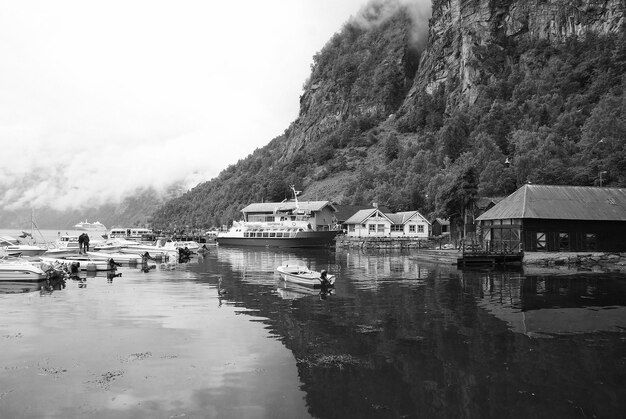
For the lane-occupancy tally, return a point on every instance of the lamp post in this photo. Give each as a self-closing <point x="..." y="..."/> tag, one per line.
<point x="602" y="173"/>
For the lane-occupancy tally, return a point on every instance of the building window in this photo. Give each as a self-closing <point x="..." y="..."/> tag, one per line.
<point x="396" y="228"/>
<point x="590" y="241"/>
<point x="351" y="227"/>
<point x="420" y="228"/>
<point x="372" y="228"/>
<point x="564" y="241"/>
<point x="381" y="228"/>
<point x="540" y="241"/>
<point x="411" y="228"/>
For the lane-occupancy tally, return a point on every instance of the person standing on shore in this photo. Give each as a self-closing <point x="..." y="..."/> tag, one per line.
<point x="86" y="243"/>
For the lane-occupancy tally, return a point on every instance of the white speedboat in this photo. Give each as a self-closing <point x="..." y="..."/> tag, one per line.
<point x="16" y="270"/>
<point x="65" y="245"/>
<point x="87" y="226"/>
<point x="16" y="248"/>
<point x="161" y="246"/>
<point x="297" y="272"/>
<point x="112" y="245"/>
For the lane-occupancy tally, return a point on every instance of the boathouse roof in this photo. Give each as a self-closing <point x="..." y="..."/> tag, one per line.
<point x="561" y="203"/>
<point x="272" y="207"/>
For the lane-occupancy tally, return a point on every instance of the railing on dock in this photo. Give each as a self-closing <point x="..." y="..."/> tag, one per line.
<point x="483" y="254"/>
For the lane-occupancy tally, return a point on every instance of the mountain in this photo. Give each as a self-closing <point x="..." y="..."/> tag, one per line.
<point x="133" y="210"/>
<point x="416" y="114"/>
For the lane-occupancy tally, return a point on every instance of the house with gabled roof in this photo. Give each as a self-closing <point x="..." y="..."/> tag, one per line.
<point x="375" y="223"/>
<point x="557" y="218"/>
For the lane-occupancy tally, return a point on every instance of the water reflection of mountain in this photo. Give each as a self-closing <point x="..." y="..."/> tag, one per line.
<point x="438" y="350"/>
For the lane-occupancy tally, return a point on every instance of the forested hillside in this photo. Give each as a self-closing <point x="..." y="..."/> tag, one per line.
<point x="390" y="118"/>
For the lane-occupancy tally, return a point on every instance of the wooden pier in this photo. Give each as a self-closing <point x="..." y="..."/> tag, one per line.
<point x="474" y="256"/>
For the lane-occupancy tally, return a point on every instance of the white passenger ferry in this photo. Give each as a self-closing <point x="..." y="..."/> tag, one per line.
<point x="132" y="233"/>
<point x="284" y="224"/>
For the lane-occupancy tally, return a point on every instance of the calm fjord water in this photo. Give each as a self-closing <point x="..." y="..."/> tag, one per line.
<point x="398" y="338"/>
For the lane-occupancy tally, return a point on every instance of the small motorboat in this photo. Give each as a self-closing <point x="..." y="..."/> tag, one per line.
<point x="16" y="270"/>
<point x="15" y="248"/>
<point x="297" y="272"/>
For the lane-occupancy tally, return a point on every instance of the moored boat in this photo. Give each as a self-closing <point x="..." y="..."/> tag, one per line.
<point x="297" y="272"/>
<point x="283" y="224"/>
<point x="65" y="245"/>
<point x="15" y="247"/>
<point x="17" y="270"/>
<point x="138" y="234"/>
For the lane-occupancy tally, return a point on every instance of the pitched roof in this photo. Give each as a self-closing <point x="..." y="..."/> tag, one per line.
<point x="400" y="218"/>
<point x="363" y="215"/>
<point x="442" y="222"/>
<point x="344" y="212"/>
<point x="561" y="203"/>
<point x="287" y="206"/>
<point x="484" y="202"/>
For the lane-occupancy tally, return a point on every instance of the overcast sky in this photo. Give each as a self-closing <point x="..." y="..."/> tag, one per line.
<point x="99" y="97"/>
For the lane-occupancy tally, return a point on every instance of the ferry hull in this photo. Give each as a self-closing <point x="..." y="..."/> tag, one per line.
<point x="311" y="239"/>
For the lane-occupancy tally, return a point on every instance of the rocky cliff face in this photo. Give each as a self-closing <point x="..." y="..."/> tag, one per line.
<point x="463" y="32"/>
<point x="362" y="75"/>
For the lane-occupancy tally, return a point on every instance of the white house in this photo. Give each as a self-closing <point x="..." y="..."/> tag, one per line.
<point x="374" y="223"/>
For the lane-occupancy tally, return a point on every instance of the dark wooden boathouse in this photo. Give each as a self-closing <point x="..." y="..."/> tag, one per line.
<point x="557" y="218"/>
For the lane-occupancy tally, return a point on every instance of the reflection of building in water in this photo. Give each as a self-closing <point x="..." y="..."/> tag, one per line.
<point x="545" y="305"/>
<point x="387" y="265"/>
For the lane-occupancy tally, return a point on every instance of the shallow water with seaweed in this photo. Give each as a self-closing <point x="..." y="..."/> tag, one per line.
<point x="224" y="337"/>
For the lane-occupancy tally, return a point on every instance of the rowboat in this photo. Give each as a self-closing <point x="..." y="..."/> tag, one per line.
<point x="297" y="272"/>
